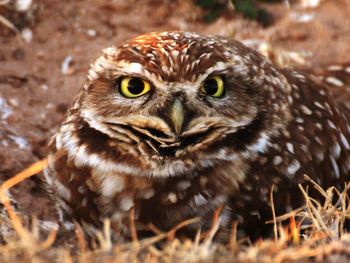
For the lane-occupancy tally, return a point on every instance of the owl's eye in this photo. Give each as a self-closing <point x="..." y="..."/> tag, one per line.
<point x="214" y="86"/>
<point x="133" y="87"/>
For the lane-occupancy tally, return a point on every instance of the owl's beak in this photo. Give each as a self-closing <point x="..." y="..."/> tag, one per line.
<point x="177" y="115"/>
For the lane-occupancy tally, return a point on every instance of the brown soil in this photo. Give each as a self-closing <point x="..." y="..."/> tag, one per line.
<point x="34" y="93"/>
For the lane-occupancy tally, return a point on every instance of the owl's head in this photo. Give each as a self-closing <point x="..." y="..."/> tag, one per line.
<point x="165" y="103"/>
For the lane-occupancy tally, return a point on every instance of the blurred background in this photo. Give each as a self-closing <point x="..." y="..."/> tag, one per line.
<point x="46" y="47"/>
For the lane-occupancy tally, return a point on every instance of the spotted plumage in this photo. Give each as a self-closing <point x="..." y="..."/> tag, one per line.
<point x="175" y="125"/>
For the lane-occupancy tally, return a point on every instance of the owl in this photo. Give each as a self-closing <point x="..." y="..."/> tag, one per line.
<point x="174" y="125"/>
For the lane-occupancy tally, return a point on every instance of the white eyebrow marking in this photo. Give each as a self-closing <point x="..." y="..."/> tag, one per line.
<point x="131" y="68"/>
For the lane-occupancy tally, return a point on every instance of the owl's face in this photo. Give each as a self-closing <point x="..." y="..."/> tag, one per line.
<point x="171" y="102"/>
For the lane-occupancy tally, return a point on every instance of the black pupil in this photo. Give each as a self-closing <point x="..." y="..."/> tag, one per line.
<point x="211" y="86"/>
<point x="135" y="86"/>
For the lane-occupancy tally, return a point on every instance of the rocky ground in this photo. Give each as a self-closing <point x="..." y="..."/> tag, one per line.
<point x="46" y="47"/>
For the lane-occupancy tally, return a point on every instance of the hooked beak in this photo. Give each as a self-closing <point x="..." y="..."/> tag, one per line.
<point x="177" y="115"/>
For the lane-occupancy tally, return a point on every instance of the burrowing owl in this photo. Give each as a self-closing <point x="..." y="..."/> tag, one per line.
<point x="174" y="125"/>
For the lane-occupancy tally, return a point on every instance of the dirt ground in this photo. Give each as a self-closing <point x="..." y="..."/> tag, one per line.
<point x="36" y="87"/>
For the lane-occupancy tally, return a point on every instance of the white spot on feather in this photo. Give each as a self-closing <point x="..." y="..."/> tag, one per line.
<point x="62" y="190"/>
<point x="334" y="81"/>
<point x="335" y="167"/>
<point x="126" y="203"/>
<point x="64" y="205"/>
<point x="200" y="200"/>
<point x="336" y="150"/>
<point x="299" y="120"/>
<point x="319" y="156"/>
<point x="175" y="53"/>
<point x="319" y="105"/>
<point x="84" y="202"/>
<point x="147" y="194"/>
<point x="172" y="197"/>
<point x="111" y="185"/>
<point x="183" y="185"/>
<point x="260" y="145"/>
<point x="305" y="110"/>
<point x="344" y="141"/>
<point x="293" y="167"/>
<point x="290" y="147"/>
<point x="331" y="124"/>
<point x="277" y="160"/>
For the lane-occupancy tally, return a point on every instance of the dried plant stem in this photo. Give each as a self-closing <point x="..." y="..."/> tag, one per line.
<point x="132" y="227"/>
<point x="17" y="224"/>
<point x="275" y="230"/>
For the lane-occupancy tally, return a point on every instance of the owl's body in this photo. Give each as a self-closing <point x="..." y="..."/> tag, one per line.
<point x="175" y="125"/>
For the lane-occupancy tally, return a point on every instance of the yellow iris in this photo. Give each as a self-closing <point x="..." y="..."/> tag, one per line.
<point x="131" y="87"/>
<point x="214" y="87"/>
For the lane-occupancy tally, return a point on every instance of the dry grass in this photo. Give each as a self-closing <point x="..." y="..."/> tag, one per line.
<point x="316" y="232"/>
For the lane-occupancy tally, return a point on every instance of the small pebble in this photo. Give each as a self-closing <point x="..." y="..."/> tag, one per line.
<point x="27" y="35"/>
<point x="66" y="68"/>
<point x="23" y="5"/>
